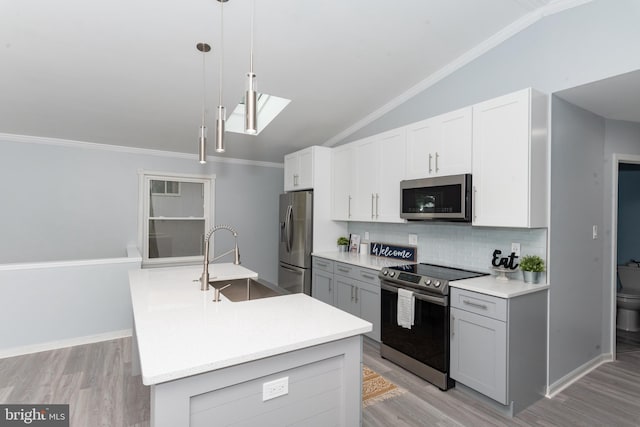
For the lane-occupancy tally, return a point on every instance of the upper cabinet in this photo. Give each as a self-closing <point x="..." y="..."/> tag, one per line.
<point x="510" y="161"/>
<point x="366" y="178"/>
<point x="299" y="170"/>
<point x="440" y="145"/>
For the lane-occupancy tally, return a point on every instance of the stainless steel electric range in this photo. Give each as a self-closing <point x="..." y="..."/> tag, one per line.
<point x="424" y="347"/>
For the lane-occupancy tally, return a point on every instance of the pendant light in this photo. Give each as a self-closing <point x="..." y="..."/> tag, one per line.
<point x="202" y="135"/>
<point x="250" y="99"/>
<point x="221" y="115"/>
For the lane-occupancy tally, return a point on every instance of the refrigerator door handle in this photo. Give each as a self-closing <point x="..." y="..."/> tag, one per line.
<point x="288" y="221"/>
<point x="291" y="270"/>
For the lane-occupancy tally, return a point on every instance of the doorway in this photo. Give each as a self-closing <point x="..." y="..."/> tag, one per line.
<point x="625" y="243"/>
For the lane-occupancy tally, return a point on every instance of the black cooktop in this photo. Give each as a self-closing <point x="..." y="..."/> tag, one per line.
<point x="438" y="271"/>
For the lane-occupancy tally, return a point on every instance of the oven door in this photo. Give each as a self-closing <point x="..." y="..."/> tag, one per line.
<point x="428" y="339"/>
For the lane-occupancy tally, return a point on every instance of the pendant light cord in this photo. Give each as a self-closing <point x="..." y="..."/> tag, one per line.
<point x="221" y="51"/>
<point x="253" y="7"/>
<point x="204" y="86"/>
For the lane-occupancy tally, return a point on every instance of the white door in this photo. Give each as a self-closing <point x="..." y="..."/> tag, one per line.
<point x="366" y="179"/>
<point x="391" y="171"/>
<point x="341" y="173"/>
<point x="421" y="137"/>
<point x="453" y="152"/>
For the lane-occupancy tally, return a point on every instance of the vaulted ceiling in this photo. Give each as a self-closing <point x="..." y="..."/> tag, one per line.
<point x="128" y="72"/>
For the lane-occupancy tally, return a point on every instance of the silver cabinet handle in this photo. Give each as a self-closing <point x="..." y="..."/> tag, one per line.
<point x="377" y="211"/>
<point x="352" y="289"/>
<point x="453" y="326"/>
<point x="356" y="292"/>
<point x="476" y="305"/>
<point x="330" y="287"/>
<point x="368" y="276"/>
<point x="349" y="216"/>
<point x="372" y="199"/>
<point x="430" y="170"/>
<point x="437" y="156"/>
<point x="344" y="270"/>
<point x="322" y="264"/>
<point x="473" y="202"/>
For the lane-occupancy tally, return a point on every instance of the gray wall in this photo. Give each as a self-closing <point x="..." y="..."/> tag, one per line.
<point x="68" y="203"/>
<point x="576" y="264"/>
<point x="577" y="46"/>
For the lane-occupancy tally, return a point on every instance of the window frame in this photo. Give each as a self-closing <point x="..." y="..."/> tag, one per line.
<point x="144" y="195"/>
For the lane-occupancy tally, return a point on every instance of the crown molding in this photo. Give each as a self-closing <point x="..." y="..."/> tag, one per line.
<point x="488" y="44"/>
<point x="8" y="137"/>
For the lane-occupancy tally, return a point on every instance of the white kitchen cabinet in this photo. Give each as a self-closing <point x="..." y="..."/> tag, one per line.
<point x="440" y="145"/>
<point x="322" y="281"/>
<point x="380" y="164"/>
<point x="299" y="170"/>
<point x="498" y="346"/>
<point x="510" y="161"/>
<point x="342" y="169"/>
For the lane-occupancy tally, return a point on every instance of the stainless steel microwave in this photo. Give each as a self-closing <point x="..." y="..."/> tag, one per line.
<point x="444" y="198"/>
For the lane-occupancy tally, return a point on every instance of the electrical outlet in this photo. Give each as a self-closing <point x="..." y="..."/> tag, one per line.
<point x="413" y="239"/>
<point x="595" y="232"/>
<point x="366" y="236"/>
<point x="275" y="388"/>
<point x="515" y="247"/>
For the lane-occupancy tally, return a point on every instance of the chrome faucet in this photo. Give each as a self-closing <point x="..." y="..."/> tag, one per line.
<point x="204" y="279"/>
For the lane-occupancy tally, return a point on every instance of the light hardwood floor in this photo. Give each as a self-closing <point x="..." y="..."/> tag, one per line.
<point x="94" y="379"/>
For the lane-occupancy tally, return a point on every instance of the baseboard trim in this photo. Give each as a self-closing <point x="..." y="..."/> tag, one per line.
<point x="54" y="345"/>
<point x="577" y="373"/>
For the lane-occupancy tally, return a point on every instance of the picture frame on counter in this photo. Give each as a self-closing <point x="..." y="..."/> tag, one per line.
<point x="354" y="243"/>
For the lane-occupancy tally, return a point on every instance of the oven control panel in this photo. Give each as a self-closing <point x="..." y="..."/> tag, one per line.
<point x="416" y="280"/>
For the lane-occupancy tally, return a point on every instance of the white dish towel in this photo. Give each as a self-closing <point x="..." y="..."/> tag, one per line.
<point x="406" y="303"/>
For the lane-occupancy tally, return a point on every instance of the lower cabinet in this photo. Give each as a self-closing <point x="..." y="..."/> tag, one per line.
<point x="498" y="346"/>
<point x="353" y="289"/>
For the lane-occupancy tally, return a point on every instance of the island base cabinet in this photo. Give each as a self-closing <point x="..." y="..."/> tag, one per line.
<point x="324" y="388"/>
<point x="478" y="353"/>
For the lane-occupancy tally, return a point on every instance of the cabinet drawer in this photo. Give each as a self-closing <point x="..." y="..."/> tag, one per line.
<point x="474" y="302"/>
<point x="323" y="264"/>
<point x="367" y="275"/>
<point x="343" y="269"/>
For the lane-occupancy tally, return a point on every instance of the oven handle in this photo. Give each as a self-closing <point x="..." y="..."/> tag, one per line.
<point x="434" y="300"/>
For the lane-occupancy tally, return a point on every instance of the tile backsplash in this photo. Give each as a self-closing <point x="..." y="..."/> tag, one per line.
<point x="457" y="245"/>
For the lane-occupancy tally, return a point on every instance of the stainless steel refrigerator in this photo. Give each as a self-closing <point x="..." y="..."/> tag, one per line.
<point x="296" y="234"/>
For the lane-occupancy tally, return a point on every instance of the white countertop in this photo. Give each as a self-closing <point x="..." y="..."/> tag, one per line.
<point x="489" y="285"/>
<point x="182" y="332"/>
<point x="362" y="260"/>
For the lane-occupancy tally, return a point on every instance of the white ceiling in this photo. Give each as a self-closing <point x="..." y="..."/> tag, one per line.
<point x="127" y="72"/>
<point x="616" y="98"/>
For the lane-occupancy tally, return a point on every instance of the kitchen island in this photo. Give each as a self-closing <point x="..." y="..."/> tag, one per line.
<point x="214" y="362"/>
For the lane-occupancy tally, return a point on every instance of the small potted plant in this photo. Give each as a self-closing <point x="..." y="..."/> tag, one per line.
<point x="343" y="244"/>
<point x="531" y="266"/>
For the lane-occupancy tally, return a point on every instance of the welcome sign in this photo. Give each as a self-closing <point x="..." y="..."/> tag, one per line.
<point x="406" y="253"/>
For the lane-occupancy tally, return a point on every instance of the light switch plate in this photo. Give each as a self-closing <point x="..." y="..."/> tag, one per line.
<point x="413" y="239"/>
<point x="595" y="232"/>
<point x="366" y="236"/>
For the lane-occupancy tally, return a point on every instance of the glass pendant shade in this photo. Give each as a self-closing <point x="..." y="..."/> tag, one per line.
<point x="220" y="122"/>
<point x="202" y="142"/>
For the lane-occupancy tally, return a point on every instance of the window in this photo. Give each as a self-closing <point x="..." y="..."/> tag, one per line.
<point x="175" y="214"/>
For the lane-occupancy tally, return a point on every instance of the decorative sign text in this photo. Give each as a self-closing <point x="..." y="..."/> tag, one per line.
<point x="407" y="253"/>
<point x="506" y="262"/>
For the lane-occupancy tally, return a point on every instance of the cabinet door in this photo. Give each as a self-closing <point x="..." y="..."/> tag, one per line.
<point x="392" y="162"/>
<point x="453" y="150"/>
<point x="501" y="161"/>
<point x="290" y="171"/>
<point x="341" y="173"/>
<point x="346" y="295"/>
<point x="366" y="179"/>
<point x="478" y="356"/>
<point x="305" y="169"/>
<point x="421" y="140"/>
<point x="368" y="297"/>
<point x="322" y="287"/>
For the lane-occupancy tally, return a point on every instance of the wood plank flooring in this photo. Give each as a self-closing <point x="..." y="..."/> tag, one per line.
<point x="95" y="380"/>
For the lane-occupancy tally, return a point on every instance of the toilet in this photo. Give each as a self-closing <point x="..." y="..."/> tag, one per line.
<point x="628" y="298"/>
